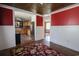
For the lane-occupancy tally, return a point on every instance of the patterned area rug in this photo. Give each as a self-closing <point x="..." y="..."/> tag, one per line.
<point x="37" y="49"/>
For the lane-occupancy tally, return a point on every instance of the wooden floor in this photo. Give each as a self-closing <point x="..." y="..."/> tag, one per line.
<point x="64" y="50"/>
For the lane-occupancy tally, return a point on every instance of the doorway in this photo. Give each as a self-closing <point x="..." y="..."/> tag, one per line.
<point x="47" y="33"/>
<point x="24" y="30"/>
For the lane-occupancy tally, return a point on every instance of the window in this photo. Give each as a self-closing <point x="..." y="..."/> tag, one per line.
<point x="47" y="27"/>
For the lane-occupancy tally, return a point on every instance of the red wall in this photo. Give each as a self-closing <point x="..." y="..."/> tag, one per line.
<point x="6" y="16"/>
<point x="68" y="17"/>
<point x="39" y="21"/>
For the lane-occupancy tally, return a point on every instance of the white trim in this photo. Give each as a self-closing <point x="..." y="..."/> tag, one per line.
<point x="63" y="9"/>
<point x="5" y="6"/>
<point x="35" y="27"/>
<point x="14" y="24"/>
<point x="45" y="15"/>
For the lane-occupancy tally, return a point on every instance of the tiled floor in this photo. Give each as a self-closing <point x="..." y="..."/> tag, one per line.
<point x="25" y="38"/>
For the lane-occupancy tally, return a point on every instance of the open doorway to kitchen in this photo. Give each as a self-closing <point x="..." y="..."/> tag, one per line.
<point x="24" y="28"/>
